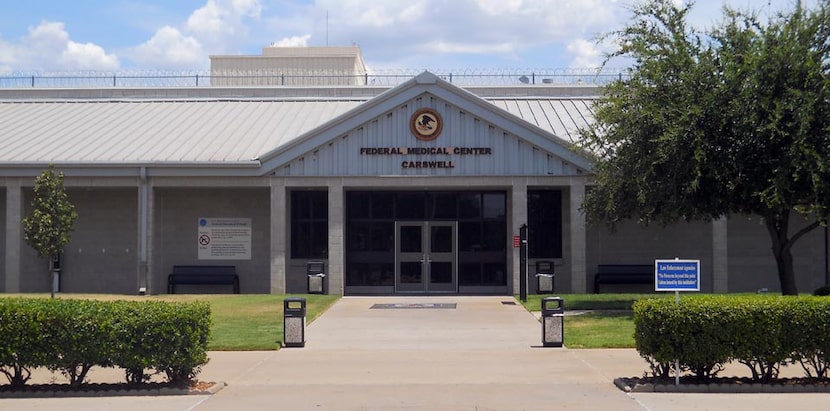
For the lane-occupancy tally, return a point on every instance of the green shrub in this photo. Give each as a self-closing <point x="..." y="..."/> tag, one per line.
<point x="761" y="332"/>
<point x="72" y="336"/>
<point x="169" y="337"/>
<point x="23" y="339"/>
<point x="665" y="332"/>
<point x="809" y="325"/>
<point x="81" y="333"/>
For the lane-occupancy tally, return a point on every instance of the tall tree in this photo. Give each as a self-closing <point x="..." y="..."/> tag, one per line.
<point x="731" y="121"/>
<point x="49" y="226"/>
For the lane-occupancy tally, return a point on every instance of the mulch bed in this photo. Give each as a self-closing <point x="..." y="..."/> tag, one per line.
<point x="690" y="384"/>
<point x="110" y="389"/>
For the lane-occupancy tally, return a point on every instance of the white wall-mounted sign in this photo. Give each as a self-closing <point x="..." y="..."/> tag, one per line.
<point x="224" y="239"/>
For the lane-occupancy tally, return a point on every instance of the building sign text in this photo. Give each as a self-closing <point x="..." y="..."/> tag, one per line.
<point x="426" y="151"/>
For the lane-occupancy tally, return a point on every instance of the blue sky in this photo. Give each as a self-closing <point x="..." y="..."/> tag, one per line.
<point x="123" y="35"/>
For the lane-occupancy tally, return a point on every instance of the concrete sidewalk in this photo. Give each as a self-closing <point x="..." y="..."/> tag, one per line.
<point x="481" y="355"/>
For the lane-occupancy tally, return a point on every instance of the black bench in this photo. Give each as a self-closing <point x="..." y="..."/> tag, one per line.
<point x="202" y="275"/>
<point x="623" y="274"/>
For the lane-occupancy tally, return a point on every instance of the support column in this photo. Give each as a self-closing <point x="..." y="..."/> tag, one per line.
<point x="14" y="237"/>
<point x="577" y="234"/>
<point x="278" y="235"/>
<point x="335" y="269"/>
<point x="519" y="211"/>
<point x="720" y="256"/>
<point x="145" y="234"/>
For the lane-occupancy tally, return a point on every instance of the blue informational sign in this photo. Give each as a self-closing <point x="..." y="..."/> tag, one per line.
<point x="676" y="275"/>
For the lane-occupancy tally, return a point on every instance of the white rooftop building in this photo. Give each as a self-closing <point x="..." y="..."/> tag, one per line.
<point x="291" y="66"/>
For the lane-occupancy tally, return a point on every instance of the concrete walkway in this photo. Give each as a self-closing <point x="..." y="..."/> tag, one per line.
<point x="482" y="355"/>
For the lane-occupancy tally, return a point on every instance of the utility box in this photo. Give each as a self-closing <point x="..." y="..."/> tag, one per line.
<point x="553" y="322"/>
<point x="316" y="272"/>
<point x="293" y="324"/>
<point x="544" y="277"/>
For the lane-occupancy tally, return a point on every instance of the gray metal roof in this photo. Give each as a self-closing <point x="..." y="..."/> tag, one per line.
<point x="115" y="132"/>
<point x="226" y="130"/>
<point x="562" y="117"/>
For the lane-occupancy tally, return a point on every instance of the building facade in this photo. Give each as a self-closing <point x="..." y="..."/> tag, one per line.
<point x="417" y="189"/>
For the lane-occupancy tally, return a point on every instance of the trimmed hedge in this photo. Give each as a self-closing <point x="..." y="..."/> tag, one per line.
<point x="761" y="332"/>
<point x="72" y="336"/>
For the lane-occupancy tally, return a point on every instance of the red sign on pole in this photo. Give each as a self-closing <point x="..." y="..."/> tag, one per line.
<point x="516" y="241"/>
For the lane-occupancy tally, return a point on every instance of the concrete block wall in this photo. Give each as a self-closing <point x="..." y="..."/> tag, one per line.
<point x="752" y="265"/>
<point x="635" y="244"/>
<point x="102" y="254"/>
<point x="175" y="223"/>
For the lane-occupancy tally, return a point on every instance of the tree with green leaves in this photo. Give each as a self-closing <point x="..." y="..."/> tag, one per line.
<point x="49" y="226"/>
<point x="734" y="120"/>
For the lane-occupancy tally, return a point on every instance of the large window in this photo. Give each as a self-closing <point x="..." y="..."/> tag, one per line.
<point x="370" y="231"/>
<point x="482" y="238"/>
<point x="309" y="224"/>
<point x="544" y="223"/>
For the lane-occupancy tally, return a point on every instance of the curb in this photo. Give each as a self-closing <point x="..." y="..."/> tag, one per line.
<point x="630" y="385"/>
<point x="109" y="390"/>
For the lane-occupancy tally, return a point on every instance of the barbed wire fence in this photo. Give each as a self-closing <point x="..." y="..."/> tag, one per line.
<point x="300" y="77"/>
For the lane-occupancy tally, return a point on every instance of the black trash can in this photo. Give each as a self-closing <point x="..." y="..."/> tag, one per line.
<point x="553" y="322"/>
<point x="544" y="277"/>
<point x="293" y="324"/>
<point x="315" y="270"/>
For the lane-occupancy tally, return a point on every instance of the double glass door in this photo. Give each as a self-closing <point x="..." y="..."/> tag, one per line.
<point x="425" y="257"/>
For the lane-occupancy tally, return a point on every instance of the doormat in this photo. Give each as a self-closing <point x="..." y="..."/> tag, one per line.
<point x="414" y="305"/>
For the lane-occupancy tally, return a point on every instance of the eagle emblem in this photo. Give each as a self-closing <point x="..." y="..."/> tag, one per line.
<point x="426" y="124"/>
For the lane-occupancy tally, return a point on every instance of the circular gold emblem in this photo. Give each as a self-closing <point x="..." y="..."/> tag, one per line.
<point x="426" y="124"/>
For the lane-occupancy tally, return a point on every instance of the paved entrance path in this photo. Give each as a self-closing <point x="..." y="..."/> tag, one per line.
<point x="482" y="355"/>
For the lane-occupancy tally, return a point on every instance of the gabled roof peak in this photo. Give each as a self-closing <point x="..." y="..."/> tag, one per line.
<point x="426" y="78"/>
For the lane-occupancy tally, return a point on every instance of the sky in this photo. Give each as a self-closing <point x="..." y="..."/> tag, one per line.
<point x="180" y="35"/>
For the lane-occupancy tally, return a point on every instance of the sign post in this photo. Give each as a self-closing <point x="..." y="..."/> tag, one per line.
<point x="523" y="263"/>
<point x="676" y="275"/>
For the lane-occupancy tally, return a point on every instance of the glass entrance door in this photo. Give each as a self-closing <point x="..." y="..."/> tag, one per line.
<point x="425" y="257"/>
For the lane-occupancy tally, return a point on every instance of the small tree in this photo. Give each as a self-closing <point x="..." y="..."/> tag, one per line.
<point x="47" y="229"/>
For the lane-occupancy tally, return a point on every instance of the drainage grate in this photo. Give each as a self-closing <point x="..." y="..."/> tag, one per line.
<point x="508" y="302"/>
<point x="415" y="306"/>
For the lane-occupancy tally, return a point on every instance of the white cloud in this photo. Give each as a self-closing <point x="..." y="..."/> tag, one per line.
<point x="585" y="53"/>
<point x="48" y="46"/>
<point x="468" y="48"/>
<point x="219" y="22"/>
<point x="215" y="28"/>
<point x="170" y="48"/>
<point x="422" y="31"/>
<point x="499" y="7"/>
<point x="87" y="56"/>
<point x="294" y="41"/>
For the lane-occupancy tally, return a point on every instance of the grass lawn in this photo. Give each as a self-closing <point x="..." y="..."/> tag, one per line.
<point x="608" y="322"/>
<point x="240" y="322"/>
<point x="243" y="322"/>
<point x="254" y="321"/>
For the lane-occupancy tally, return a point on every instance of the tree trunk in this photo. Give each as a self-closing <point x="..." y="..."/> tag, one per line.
<point x="778" y="227"/>
<point x="53" y="286"/>
<point x="54" y="281"/>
